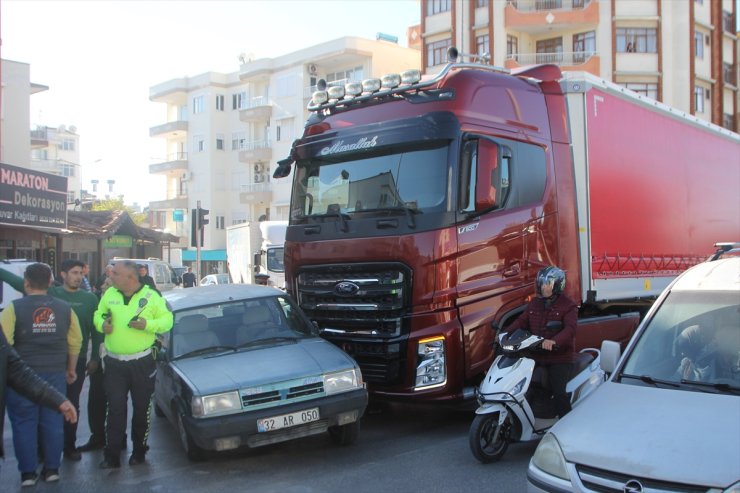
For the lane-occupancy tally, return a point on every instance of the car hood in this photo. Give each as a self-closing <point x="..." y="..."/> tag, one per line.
<point x="216" y="372"/>
<point x="664" y="434"/>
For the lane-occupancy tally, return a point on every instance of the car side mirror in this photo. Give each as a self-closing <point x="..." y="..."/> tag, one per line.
<point x="610" y="353"/>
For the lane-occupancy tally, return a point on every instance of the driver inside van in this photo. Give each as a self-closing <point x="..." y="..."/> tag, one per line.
<point x="709" y="356"/>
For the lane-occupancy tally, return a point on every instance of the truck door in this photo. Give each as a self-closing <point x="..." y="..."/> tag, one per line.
<point x="492" y="230"/>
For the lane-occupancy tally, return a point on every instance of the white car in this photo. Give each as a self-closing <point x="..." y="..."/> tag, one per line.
<point x="212" y="279"/>
<point x="668" y="419"/>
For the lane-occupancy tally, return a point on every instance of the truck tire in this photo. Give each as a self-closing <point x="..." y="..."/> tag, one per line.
<point x="481" y="437"/>
<point x="345" y="434"/>
<point x="192" y="450"/>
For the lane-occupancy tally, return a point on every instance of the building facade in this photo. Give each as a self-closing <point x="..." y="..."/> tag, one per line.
<point x="224" y="133"/>
<point x="57" y="151"/>
<point x="680" y="52"/>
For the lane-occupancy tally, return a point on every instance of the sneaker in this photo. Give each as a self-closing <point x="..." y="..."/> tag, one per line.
<point x="136" y="459"/>
<point x="72" y="454"/>
<point x="50" y="475"/>
<point x="29" y="478"/>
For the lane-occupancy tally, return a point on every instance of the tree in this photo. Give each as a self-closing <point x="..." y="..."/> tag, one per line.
<point x="116" y="204"/>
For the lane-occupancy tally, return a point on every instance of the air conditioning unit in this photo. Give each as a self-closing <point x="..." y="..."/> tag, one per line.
<point x="186" y="176"/>
<point x="312" y="69"/>
<point x="259" y="167"/>
<point x="259" y="177"/>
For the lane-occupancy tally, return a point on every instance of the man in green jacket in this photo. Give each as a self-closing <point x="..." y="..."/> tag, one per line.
<point x="130" y="314"/>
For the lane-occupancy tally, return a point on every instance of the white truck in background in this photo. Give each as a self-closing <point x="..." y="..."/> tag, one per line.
<point x="256" y="248"/>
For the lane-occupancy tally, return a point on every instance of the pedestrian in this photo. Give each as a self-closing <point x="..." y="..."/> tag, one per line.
<point x="84" y="304"/>
<point x="102" y="279"/>
<point x="16" y="375"/>
<point x="130" y="314"/>
<point x="85" y="280"/>
<point x="46" y="333"/>
<point x="188" y="279"/>
<point x="145" y="278"/>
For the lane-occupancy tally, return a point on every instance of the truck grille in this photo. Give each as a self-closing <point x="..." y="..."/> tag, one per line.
<point x="360" y="308"/>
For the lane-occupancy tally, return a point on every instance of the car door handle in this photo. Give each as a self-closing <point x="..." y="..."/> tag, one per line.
<point x="513" y="270"/>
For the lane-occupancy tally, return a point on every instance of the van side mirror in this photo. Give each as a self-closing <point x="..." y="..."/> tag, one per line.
<point x="486" y="166"/>
<point x="610" y="353"/>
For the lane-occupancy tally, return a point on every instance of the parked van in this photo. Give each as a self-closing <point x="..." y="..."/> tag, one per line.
<point x="162" y="272"/>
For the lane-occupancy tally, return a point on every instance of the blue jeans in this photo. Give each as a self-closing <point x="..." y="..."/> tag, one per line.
<point x="28" y="420"/>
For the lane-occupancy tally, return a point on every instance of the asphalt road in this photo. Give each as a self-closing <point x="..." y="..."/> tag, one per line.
<point x="402" y="449"/>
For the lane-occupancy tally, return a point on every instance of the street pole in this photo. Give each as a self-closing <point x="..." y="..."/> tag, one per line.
<point x="198" y="236"/>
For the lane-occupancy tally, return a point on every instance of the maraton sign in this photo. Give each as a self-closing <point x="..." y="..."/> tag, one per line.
<point x="32" y="198"/>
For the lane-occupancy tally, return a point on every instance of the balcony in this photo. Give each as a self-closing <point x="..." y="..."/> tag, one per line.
<point x="587" y="61"/>
<point x="255" y="110"/>
<point x="254" y="193"/>
<point x="169" y="130"/>
<point x="39" y="137"/>
<point x="256" y="150"/>
<point x="541" y="16"/>
<point x="177" y="161"/>
<point x="169" y="204"/>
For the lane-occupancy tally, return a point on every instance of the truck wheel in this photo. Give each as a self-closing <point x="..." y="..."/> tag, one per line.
<point x="192" y="450"/>
<point x="487" y="445"/>
<point x="345" y="434"/>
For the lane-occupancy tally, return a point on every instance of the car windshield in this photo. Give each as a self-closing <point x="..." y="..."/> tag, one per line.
<point x="275" y="258"/>
<point x="227" y="326"/>
<point x="396" y="180"/>
<point x="693" y="340"/>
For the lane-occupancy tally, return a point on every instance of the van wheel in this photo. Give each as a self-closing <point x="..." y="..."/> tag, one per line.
<point x="192" y="450"/>
<point x="345" y="434"/>
<point x="487" y="440"/>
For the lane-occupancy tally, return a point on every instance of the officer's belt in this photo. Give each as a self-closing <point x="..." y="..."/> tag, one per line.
<point x="131" y="357"/>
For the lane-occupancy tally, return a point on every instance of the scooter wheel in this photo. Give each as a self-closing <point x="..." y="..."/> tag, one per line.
<point x="487" y="442"/>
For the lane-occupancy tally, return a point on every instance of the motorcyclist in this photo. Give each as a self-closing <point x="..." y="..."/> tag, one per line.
<point x="552" y="305"/>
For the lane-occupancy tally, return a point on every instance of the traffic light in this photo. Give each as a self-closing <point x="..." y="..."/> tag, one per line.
<point x="194" y="227"/>
<point x="203" y="215"/>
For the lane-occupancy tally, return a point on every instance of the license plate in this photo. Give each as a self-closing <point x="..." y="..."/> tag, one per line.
<point x="287" y="420"/>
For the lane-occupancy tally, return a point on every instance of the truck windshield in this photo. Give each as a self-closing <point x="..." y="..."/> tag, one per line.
<point x="398" y="179"/>
<point x="694" y="337"/>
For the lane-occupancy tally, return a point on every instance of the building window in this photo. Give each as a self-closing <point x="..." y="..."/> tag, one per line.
<point x="729" y="74"/>
<point x="728" y="121"/>
<point x="67" y="169"/>
<point x="343" y="76"/>
<point x="238" y="140"/>
<point x="699" y="45"/>
<point x="220" y="222"/>
<point x="699" y="94"/>
<point x="550" y="50"/>
<point x="645" y="88"/>
<point x="482" y="44"/>
<point x="219" y="102"/>
<point x="437" y="6"/>
<point x="66" y="145"/>
<point x="437" y="52"/>
<point x="199" y="143"/>
<point x="728" y="22"/>
<point x="512" y="46"/>
<point x="636" y="40"/>
<point x="71" y="197"/>
<point x="220" y="142"/>
<point x="584" y="46"/>
<point x="198" y="105"/>
<point x="481" y="3"/>
<point x="237" y="99"/>
<point x="700" y="2"/>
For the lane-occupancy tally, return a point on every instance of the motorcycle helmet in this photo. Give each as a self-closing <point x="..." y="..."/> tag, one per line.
<point x="550" y="275"/>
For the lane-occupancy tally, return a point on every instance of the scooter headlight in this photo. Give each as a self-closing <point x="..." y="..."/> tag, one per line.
<point x="518" y="387"/>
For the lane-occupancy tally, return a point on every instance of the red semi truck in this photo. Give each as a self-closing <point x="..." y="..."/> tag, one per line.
<point x="421" y="211"/>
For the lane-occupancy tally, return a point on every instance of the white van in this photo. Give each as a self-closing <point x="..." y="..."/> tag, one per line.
<point x="162" y="272"/>
<point x="668" y="419"/>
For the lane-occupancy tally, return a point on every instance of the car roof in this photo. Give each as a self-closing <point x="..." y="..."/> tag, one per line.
<point x="183" y="299"/>
<point x="718" y="275"/>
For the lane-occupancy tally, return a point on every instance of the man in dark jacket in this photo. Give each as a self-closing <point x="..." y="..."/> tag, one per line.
<point x="551" y="305"/>
<point x="16" y="374"/>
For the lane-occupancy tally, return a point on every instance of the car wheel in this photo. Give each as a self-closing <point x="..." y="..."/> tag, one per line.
<point x="192" y="450"/>
<point x="345" y="434"/>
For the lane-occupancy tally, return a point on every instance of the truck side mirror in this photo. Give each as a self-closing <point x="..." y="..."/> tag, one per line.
<point x="486" y="166"/>
<point x="610" y="353"/>
<point x="256" y="263"/>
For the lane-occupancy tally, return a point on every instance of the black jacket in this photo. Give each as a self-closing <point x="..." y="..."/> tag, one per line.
<point x="20" y="377"/>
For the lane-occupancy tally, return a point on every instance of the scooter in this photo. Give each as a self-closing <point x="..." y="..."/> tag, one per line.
<point x="515" y="403"/>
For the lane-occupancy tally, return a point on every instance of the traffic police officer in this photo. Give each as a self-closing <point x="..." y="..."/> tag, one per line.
<point x="130" y="314"/>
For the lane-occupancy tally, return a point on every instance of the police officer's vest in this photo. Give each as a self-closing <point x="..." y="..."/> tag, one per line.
<point x="41" y="328"/>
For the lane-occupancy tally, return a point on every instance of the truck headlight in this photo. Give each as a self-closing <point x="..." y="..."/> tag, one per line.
<point x="549" y="458"/>
<point x="342" y="381"/>
<point x="215" y="404"/>
<point x="430" y="369"/>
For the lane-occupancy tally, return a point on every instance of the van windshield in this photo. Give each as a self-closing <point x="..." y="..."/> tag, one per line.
<point x="693" y="337"/>
<point x="399" y="179"/>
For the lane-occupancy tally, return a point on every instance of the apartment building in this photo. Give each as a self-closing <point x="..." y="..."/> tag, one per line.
<point x="57" y="151"/>
<point x="223" y="134"/>
<point x="680" y="52"/>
